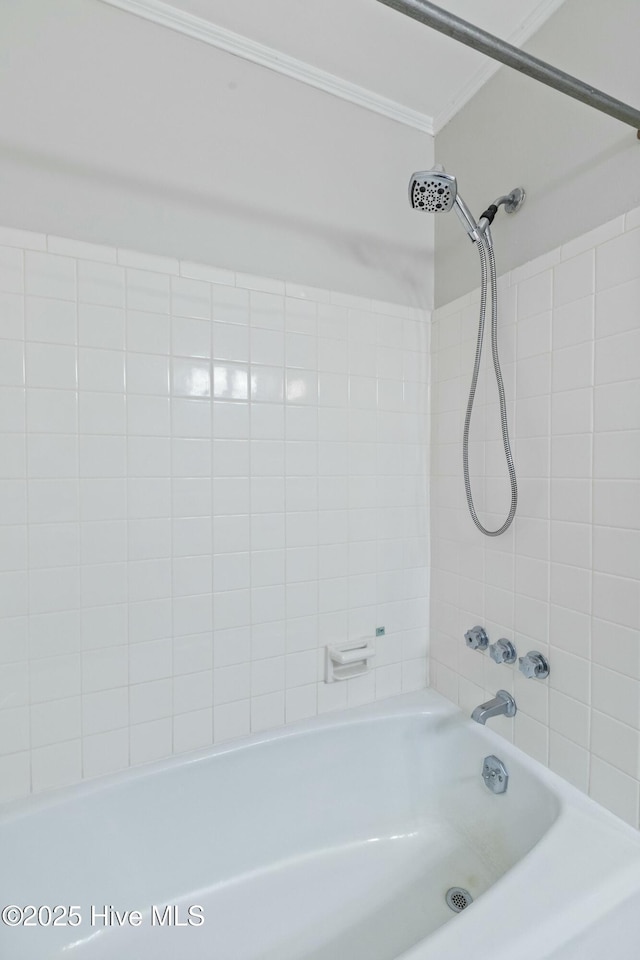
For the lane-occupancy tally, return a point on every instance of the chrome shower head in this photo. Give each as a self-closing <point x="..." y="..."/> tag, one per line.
<point x="434" y="191"/>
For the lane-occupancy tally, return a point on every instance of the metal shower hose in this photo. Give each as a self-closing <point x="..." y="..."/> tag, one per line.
<point x="485" y="247"/>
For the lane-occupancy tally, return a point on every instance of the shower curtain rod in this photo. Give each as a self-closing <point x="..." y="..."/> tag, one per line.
<point x="491" y="46"/>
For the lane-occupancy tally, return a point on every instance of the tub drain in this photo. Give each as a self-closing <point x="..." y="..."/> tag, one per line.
<point x="457" y="898"/>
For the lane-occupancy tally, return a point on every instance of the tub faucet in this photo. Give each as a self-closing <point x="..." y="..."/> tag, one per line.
<point x="502" y="704"/>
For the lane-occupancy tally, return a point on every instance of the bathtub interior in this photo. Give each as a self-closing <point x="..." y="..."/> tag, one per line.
<point x="329" y="843"/>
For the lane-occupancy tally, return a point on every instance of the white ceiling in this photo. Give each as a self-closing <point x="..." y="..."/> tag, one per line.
<point x="376" y="52"/>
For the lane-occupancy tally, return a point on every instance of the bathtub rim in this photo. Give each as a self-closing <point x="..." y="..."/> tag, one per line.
<point x="424" y="703"/>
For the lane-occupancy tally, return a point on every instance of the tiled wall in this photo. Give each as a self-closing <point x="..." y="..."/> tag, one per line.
<point x="204" y="478"/>
<point x="565" y="579"/>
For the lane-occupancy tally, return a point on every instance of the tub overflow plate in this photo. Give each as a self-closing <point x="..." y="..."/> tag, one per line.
<point x="494" y="774"/>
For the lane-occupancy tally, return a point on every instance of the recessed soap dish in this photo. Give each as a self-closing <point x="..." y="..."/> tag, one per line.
<point x="349" y="659"/>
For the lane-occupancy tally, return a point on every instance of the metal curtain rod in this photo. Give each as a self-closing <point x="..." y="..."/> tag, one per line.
<point x="487" y="43"/>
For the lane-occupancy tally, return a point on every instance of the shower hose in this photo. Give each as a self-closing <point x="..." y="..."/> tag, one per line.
<point x="485" y="251"/>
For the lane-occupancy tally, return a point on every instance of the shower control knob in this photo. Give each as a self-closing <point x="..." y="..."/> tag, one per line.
<point x="477" y="638"/>
<point x="503" y="651"/>
<point x="534" y="665"/>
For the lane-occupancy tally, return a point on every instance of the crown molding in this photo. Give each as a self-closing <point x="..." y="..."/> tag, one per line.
<point x="238" y="45"/>
<point x="533" y="23"/>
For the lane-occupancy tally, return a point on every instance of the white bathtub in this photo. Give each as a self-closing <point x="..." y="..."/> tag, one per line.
<point x="332" y="840"/>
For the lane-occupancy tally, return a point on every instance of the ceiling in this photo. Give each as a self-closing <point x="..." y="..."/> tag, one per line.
<point x="381" y="58"/>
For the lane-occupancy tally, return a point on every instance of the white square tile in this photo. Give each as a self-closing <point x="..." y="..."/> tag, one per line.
<point x="267" y="347"/>
<point x="15" y="776"/>
<point x="103" y="583"/>
<point x="150" y="701"/>
<point x="14" y="730"/>
<point x="229" y="304"/>
<point x="101" y="370"/>
<point x="54" y="678"/>
<point x="569" y="717"/>
<point x="193" y="691"/>
<point x="150" y="620"/>
<point x="267" y="384"/>
<point x="231" y="720"/>
<point x="573" y="367"/>
<point x="190" y="337"/>
<point x="571" y="411"/>
<point x="616" y="742"/>
<point x="614" y="357"/>
<point x="192" y="615"/>
<point x="149" y="579"/>
<point x="535" y="294"/>
<point x="615" y="503"/>
<point x="12" y="456"/>
<point x="49" y="365"/>
<point x="52" y="456"/>
<point x="300" y="703"/>
<point x="190" y="378"/>
<point x="616" y="309"/>
<point x="103" y="499"/>
<point x="570" y="586"/>
<point x="55" y="721"/>
<point x="148" y="332"/>
<point x="191" y="497"/>
<point x="104" y="541"/>
<point x="51" y="321"/>
<point x="148" y="416"/>
<point x="231" y="684"/>
<point x="231" y="420"/>
<point x="190" y="298"/>
<point x="616" y="406"/>
<point x="102" y="456"/>
<point x="574" y="322"/>
<point x="11" y="270"/>
<point x="48" y="275"/>
<point x="267" y="310"/>
<point x="104" y="711"/>
<point x="147" y="374"/>
<point x="56" y="766"/>
<point x="105" y="753"/>
<point x="12" y="323"/>
<point x="614" y="790"/>
<point x="615" y="551"/>
<point x="52" y="411"/>
<point x="102" y="413"/>
<point x="230" y="381"/>
<point x="52" y="634"/>
<point x="617" y="260"/>
<point x="12" y="364"/>
<point x="100" y="283"/>
<point x="230" y="342"/>
<point x="569" y="760"/>
<point x="574" y="278"/>
<point x="192" y="654"/>
<point x="267" y="711"/>
<point x="53" y="500"/>
<point x="150" y="741"/>
<point x="193" y="731"/>
<point x="104" y="668"/>
<point x="147" y="291"/>
<point x="616" y="455"/>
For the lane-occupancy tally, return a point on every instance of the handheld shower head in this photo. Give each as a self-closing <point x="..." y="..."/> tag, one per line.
<point x="434" y="191"/>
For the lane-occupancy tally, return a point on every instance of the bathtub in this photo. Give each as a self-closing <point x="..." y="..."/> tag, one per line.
<point x="334" y="839"/>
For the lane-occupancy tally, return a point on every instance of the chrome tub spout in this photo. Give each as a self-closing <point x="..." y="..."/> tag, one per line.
<point x="502" y="704"/>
